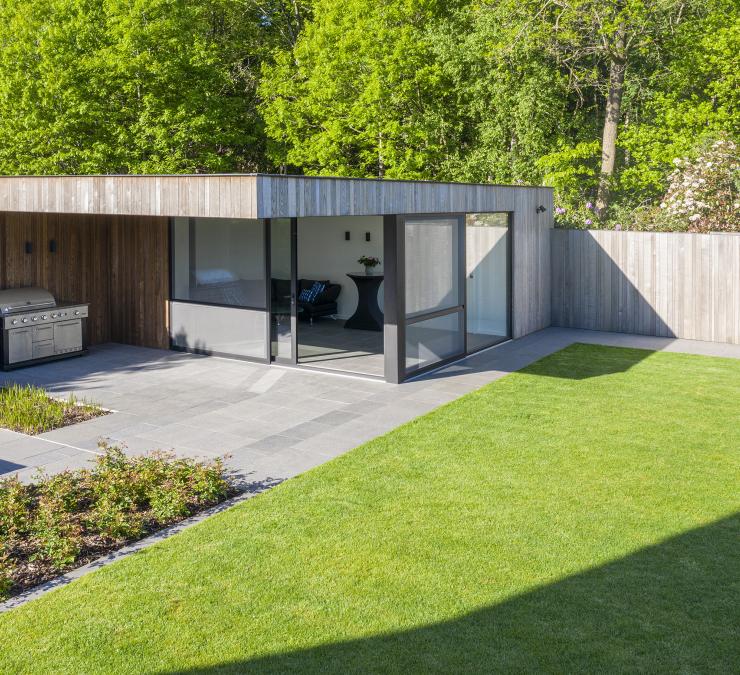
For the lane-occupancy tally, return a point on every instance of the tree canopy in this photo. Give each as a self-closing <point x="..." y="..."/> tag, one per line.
<point x="594" y="97"/>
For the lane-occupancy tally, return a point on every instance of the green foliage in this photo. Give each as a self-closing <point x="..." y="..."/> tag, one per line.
<point x="361" y="94"/>
<point x="31" y="410"/>
<point x="48" y="526"/>
<point x="508" y="91"/>
<point x="132" y="86"/>
<point x="504" y="91"/>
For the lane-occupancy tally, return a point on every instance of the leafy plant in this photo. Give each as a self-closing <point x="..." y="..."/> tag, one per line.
<point x="369" y="261"/>
<point x="31" y="410"/>
<point x="57" y="521"/>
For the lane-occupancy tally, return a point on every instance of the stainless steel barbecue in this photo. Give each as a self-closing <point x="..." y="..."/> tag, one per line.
<point x="35" y="328"/>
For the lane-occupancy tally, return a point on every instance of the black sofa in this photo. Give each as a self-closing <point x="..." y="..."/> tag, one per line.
<point x="325" y="303"/>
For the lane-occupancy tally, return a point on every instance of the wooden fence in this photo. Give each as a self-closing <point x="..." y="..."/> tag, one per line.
<point x="651" y="283"/>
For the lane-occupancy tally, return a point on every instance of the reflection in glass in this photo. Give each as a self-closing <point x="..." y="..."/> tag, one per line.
<point x="219" y="261"/>
<point x="280" y="288"/>
<point x="487" y="278"/>
<point x="432" y="340"/>
<point x="432" y="265"/>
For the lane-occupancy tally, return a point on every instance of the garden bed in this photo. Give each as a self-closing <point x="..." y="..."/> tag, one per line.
<point x="64" y="521"/>
<point x="30" y="410"/>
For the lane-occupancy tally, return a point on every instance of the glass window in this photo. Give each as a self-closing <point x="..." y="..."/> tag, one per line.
<point x="487" y="278"/>
<point x="219" y="261"/>
<point x="432" y="340"/>
<point x="432" y="265"/>
<point x="219" y="330"/>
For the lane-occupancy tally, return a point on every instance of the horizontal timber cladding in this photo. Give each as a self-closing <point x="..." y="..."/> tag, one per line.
<point x="217" y="196"/>
<point x="653" y="283"/>
<point x="120" y="265"/>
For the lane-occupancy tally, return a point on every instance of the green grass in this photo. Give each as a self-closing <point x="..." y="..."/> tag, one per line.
<point x="578" y="516"/>
<point x="31" y="410"/>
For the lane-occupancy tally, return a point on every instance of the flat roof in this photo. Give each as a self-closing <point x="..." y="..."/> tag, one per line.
<point x="252" y="195"/>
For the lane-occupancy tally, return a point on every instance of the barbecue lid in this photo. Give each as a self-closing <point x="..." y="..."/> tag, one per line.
<point x="19" y="299"/>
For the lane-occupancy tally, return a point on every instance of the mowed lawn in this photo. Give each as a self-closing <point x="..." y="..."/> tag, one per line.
<point x="577" y="516"/>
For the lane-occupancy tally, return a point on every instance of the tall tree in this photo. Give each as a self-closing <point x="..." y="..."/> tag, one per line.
<point x="133" y="86"/>
<point x="361" y="94"/>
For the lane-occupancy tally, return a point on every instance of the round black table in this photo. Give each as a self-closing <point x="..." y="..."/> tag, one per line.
<point x="368" y="315"/>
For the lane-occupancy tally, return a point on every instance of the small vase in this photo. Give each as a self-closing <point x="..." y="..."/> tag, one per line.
<point x="368" y="271"/>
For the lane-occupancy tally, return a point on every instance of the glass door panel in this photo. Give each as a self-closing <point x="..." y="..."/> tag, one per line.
<point x="282" y="290"/>
<point x="487" y="279"/>
<point x="434" y="284"/>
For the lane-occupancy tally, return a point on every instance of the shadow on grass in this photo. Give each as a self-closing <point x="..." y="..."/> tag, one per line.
<point x="581" y="361"/>
<point x="667" y="608"/>
<point x="573" y="361"/>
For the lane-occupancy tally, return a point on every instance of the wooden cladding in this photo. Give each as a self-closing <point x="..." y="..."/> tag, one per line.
<point x="254" y="196"/>
<point x="216" y="196"/>
<point x="118" y="264"/>
<point x="652" y="283"/>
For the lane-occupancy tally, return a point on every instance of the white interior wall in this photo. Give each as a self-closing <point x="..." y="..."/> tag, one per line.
<point x="234" y="245"/>
<point x="486" y="253"/>
<point x="323" y="253"/>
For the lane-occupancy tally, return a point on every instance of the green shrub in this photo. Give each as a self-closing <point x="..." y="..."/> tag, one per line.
<point x="56" y="521"/>
<point x="15" y="506"/>
<point x="6" y="572"/>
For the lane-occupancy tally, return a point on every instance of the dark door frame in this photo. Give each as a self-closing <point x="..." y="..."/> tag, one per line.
<point x="293" y="359"/>
<point x="395" y="319"/>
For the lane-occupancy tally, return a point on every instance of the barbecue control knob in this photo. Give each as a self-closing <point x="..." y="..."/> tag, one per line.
<point x="24" y="320"/>
<point x="35" y="318"/>
<point x="44" y="317"/>
<point x="53" y="316"/>
<point x="14" y="322"/>
<point x="77" y="313"/>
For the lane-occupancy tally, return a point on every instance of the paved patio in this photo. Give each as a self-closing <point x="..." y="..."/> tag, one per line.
<point x="272" y="422"/>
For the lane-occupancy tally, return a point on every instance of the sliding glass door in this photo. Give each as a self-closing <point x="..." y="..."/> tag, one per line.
<point x="434" y="290"/>
<point x="487" y="255"/>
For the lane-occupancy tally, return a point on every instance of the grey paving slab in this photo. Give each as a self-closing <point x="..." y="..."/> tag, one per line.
<point x="271" y="422"/>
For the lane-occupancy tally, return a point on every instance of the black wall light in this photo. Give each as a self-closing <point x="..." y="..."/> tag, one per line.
<point x="367" y="236"/>
<point x="29" y="247"/>
<point x="52" y="245"/>
<point x="541" y="209"/>
<point x="346" y="236"/>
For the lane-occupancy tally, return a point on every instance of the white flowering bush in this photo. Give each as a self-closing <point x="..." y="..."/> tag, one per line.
<point x="703" y="194"/>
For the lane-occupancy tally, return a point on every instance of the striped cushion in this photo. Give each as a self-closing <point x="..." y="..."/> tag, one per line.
<point x="310" y="294"/>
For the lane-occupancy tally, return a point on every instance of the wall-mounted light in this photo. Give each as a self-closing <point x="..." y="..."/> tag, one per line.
<point x="52" y="245"/>
<point x="541" y="209"/>
<point x="367" y="236"/>
<point x="346" y="236"/>
<point x="29" y="247"/>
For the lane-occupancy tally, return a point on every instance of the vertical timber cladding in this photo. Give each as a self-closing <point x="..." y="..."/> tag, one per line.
<point x="139" y="280"/>
<point x="118" y="264"/>
<point x="667" y="284"/>
<point x="530" y="259"/>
